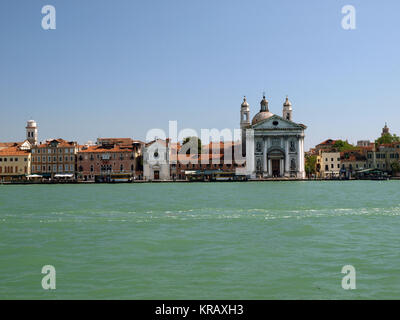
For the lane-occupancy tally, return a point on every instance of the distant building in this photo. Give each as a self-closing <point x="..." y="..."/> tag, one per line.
<point x="15" y="163"/>
<point x="351" y="162"/>
<point x="365" y="143"/>
<point x="384" y="156"/>
<point x="326" y="145"/>
<point x="385" y="130"/>
<point x="274" y="144"/>
<point x="328" y="164"/>
<point x="217" y="159"/>
<point x="55" y="159"/>
<point x="156" y="162"/>
<point x="111" y="159"/>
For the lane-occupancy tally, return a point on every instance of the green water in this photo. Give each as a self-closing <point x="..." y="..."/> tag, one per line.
<point x="254" y="240"/>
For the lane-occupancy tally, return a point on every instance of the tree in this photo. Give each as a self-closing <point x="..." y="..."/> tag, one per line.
<point x="341" y="146"/>
<point x="192" y="142"/>
<point x="311" y="165"/>
<point x="387" y="138"/>
<point x="395" y="167"/>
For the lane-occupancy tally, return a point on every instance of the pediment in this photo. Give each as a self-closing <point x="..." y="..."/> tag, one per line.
<point x="278" y="123"/>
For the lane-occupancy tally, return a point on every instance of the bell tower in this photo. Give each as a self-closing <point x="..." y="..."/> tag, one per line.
<point x="32" y="132"/>
<point x="244" y="122"/>
<point x="287" y="110"/>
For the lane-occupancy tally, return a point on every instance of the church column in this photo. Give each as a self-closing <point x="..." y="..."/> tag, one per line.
<point x="298" y="156"/>
<point x="287" y="165"/>
<point x="281" y="167"/>
<point x="250" y="152"/>
<point x="265" y="155"/>
<point x="302" y="157"/>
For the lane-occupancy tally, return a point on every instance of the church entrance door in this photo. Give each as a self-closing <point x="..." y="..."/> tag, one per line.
<point x="276" y="170"/>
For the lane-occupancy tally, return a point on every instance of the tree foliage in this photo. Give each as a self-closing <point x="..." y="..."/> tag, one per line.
<point x="387" y="139"/>
<point x="341" y="146"/>
<point x="192" y="142"/>
<point x="311" y="164"/>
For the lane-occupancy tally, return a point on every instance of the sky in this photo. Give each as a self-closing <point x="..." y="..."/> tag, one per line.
<point x="120" y="68"/>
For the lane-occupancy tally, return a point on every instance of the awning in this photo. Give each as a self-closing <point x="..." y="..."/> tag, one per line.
<point x="67" y="175"/>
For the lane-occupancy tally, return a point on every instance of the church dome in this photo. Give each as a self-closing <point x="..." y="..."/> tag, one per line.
<point x="264" y="112"/>
<point x="262" y="115"/>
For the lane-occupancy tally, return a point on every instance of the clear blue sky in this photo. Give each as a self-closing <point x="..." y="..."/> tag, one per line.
<point x="119" y="68"/>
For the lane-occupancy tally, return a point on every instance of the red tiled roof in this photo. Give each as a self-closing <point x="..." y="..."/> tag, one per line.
<point x="61" y="143"/>
<point x="102" y="149"/>
<point x="13" y="151"/>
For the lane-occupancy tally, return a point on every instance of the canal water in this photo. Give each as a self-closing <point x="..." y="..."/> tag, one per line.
<point x="249" y="240"/>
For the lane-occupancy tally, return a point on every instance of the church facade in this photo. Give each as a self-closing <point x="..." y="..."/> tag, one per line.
<point x="273" y="145"/>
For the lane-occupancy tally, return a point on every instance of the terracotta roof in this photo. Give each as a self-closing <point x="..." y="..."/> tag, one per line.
<point x="9" y="144"/>
<point x="13" y="151"/>
<point x="327" y="142"/>
<point x="103" y="149"/>
<point x="61" y="143"/>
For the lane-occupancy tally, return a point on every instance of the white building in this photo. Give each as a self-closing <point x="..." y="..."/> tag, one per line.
<point x="156" y="160"/>
<point x="274" y="145"/>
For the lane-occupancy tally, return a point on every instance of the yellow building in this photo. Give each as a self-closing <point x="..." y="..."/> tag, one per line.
<point x="328" y="164"/>
<point x="15" y="163"/>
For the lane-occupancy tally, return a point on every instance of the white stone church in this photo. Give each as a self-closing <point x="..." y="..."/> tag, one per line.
<point x="274" y="145"/>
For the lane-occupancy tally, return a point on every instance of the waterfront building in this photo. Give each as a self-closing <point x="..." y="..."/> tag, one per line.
<point x="156" y="161"/>
<point x="216" y="159"/>
<point x="55" y="159"/>
<point x="328" y="164"/>
<point x="384" y="156"/>
<point x="351" y="162"/>
<point x="274" y="144"/>
<point x="15" y="163"/>
<point x="111" y="159"/>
